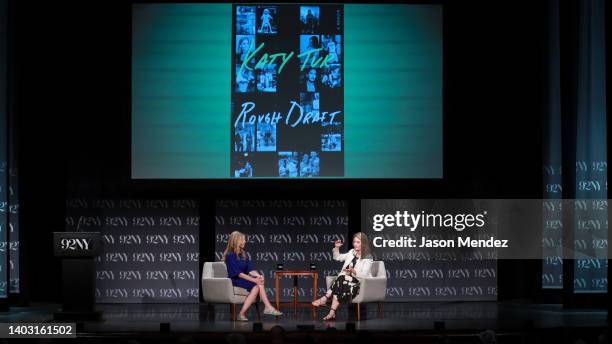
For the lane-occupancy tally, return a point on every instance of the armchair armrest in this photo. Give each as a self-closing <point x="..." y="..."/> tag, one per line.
<point x="218" y="290"/>
<point x="371" y="289"/>
<point x="329" y="280"/>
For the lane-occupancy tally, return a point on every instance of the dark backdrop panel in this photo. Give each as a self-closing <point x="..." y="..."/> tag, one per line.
<point x="436" y="280"/>
<point x="292" y="232"/>
<point x="4" y="197"/>
<point x="150" y="248"/>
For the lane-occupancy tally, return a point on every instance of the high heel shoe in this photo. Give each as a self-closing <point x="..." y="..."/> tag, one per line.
<point x="331" y="315"/>
<point x="320" y="302"/>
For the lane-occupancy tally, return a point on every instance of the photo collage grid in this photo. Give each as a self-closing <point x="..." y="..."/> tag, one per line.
<point x="303" y="85"/>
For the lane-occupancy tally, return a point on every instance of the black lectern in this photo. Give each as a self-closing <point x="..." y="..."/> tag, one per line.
<point x="77" y="251"/>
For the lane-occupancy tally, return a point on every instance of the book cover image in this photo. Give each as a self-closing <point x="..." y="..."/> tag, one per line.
<point x="287" y="91"/>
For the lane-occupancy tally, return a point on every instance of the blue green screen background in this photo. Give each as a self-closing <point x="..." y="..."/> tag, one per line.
<point x="181" y="90"/>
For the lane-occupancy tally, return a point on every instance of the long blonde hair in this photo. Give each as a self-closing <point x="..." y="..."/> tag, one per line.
<point x="233" y="245"/>
<point x="365" y="244"/>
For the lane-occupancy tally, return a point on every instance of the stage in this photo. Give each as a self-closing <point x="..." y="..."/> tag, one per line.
<point x="163" y="163"/>
<point x="424" y="322"/>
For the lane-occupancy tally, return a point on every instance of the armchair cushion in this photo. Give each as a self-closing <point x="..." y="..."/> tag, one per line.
<point x="219" y="269"/>
<point x="378" y="269"/>
<point x="241" y="291"/>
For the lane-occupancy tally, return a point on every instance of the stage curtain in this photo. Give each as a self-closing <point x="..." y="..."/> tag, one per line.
<point x="590" y="224"/>
<point x="575" y="142"/>
<point x="4" y="261"/>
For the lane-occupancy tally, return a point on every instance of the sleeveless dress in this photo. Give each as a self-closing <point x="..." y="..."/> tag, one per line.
<point x="346" y="287"/>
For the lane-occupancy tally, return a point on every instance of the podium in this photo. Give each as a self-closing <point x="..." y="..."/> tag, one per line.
<point x="77" y="251"/>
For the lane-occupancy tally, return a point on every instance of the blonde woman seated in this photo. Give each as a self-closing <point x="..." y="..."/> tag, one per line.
<point x="357" y="263"/>
<point x="240" y="271"/>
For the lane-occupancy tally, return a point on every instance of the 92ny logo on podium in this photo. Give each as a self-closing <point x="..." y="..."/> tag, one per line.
<point x="76" y="244"/>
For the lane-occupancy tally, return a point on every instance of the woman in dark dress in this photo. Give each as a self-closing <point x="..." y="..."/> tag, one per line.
<point x="240" y="270"/>
<point x="357" y="264"/>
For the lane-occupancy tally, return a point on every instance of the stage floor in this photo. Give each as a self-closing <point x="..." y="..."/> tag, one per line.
<point x="199" y="318"/>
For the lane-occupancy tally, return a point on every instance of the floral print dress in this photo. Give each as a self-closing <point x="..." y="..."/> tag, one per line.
<point x="346" y="287"/>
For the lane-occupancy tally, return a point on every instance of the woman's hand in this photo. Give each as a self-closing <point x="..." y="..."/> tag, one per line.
<point x="350" y="270"/>
<point x="338" y="243"/>
<point x="256" y="277"/>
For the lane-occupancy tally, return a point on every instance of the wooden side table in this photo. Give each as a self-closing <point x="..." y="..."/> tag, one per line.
<point x="295" y="274"/>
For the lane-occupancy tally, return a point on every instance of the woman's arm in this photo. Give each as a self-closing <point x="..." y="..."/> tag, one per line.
<point x="248" y="277"/>
<point x="233" y="270"/>
<point x="340" y="256"/>
<point x="364" y="270"/>
<point x="253" y="275"/>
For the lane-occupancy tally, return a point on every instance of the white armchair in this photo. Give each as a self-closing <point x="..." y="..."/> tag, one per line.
<point x="371" y="289"/>
<point x="218" y="288"/>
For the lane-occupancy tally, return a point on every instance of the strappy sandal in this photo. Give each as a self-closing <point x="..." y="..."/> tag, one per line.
<point x="319" y="303"/>
<point x="330" y="316"/>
